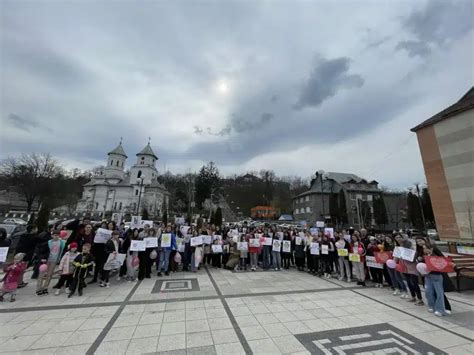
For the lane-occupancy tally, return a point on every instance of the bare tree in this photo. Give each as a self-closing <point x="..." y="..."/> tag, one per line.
<point x="32" y="174"/>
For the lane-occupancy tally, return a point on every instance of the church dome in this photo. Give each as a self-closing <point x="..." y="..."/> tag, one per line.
<point x="147" y="151"/>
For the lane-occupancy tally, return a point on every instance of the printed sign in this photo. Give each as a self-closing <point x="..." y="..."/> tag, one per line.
<point x="286" y="246"/>
<point x="404" y="253"/>
<point x="217" y="237"/>
<point x="324" y="249"/>
<point x="226" y="248"/>
<point x="254" y="242"/>
<point x="381" y="257"/>
<point x="329" y="232"/>
<point x="195" y="241"/>
<point x="136" y="222"/>
<point x="151" y="242"/>
<point x="137" y="245"/>
<point x="371" y="262"/>
<point x="166" y="240"/>
<point x="180" y="245"/>
<point x="235" y="238"/>
<point x="464" y="249"/>
<point x="102" y="236"/>
<point x="342" y="252"/>
<point x="299" y="240"/>
<point x="280" y="235"/>
<point x="354" y="257"/>
<point x="276" y="245"/>
<point x="117" y="218"/>
<point x="207" y="239"/>
<point x="234" y="232"/>
<point x="268" y="241"/>
<point x="216" y="248"/>
<point x="314" y="249"/>
<point x="145" y="222"/>
<point x="3" y="254"/>
<point x="243" y="246"/>
<point x="314" y="231"/>
<point x="347" y="237"/>
<point x="439" y="264"/>
<point x="179" y="220"/>
<point x="320" y="224"/>
<point x="184" y="230"/>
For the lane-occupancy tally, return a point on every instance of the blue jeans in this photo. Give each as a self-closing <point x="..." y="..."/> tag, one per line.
<point x="164" y="260"/>
<point x="266" y="257"/>
<point x="434" y="292"/>
<point x="276" y="256"/>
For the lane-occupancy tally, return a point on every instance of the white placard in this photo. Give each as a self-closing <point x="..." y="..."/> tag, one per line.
<point x="216" y="237"/>
<point x="254" y="242"/>
<point x="235" y="238"/>
<point x="314" y="231"/>
<point x="347" y="237"/>
<point x="166" y="240"/>
<point x="407" y="254"/>
<point x="179" y="220"/>
<point x="268" y="241"/>
<point x="120" y="258"/>
<point x="243" y="246"/>
<point x="102" y="236"/>
<point x="280" y="235"/>
<point x="234" y="232"/>
<point x="206" y="239"/>
<point x="286" y="246"/>
<point x="320" y="224"/>
<point x="3" y="254"/>
<point x="216" y="248"/>
<point x="137" y="245"/>
<point x="136" y="222"/>
<point x="184" y="230"/>
<point x="324" y="249"/>
<point x="370" y="261"/>
<point x="397" y="252"/>
<point x="151" y="242"/>
<point x="314" y="249"/>
<point x="299" y="240"/>
<point x="276" y="245"/>
<point x="195" y="241"/>
<point x="150" y="223"/>
<point x="117" y="218"/>
<point x="329" y="231"/>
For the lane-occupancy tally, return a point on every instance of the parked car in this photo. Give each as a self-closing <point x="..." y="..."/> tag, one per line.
<point x="15" y="221"/>
<point x="14" y="232"/>
<point x="433" y="234"/>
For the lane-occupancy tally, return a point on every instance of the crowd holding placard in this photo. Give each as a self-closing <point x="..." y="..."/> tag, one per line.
<point x="96" y="252"/>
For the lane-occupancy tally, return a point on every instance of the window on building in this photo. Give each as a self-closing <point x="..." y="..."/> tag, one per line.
<point x="139" y="174"/>
<point x="353" y="196"/>
<point x="136" y="192"/>
<point x="364" y="197"/>
<point x="369" y="197"/>
<point x="297" y="211"/>
<point x="308" y="209"/>
<point x="307" y="198"/>
<point x="120" y="206"/>
<point x="112" y="162"/>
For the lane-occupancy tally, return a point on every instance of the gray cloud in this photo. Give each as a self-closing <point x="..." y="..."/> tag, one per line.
<point x="25" y="124"/>
<point x="436" y="25"/>
<point x="327" y="78"/>
<point x="238" y="125"/>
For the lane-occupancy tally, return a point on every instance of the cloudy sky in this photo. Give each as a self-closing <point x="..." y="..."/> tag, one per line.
<point x="293" y="86"/>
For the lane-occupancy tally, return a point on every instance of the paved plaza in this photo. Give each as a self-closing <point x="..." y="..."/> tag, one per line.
<point x="217" y="311"/>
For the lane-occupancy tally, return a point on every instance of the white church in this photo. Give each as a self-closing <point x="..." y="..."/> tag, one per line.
<point x="115" y="190"/>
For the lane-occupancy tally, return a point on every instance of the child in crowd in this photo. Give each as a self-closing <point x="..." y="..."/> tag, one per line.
<point x="54" y="250"/>
<point x="12" y="276"/>
<point x="66" y="268"/>
<point x="82" y="264"/>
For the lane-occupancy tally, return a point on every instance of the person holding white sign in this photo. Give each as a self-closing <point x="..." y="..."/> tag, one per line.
<point x="357" y="247"/>
<point x="408" y="260"/>
<point x="168" y="243"/>
<point x="267" y="250"/>
<point x="111" y="251"/>
<point x="286" y="250"/>
<point x="342" y="247"/>
<point x="374" y="268"/>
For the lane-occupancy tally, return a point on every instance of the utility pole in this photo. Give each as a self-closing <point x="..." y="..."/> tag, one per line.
<point x="140" y="194"/>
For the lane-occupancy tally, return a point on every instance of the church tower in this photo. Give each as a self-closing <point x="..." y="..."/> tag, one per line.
<point x="116" y="163"/>
<point x="144" y="166"/>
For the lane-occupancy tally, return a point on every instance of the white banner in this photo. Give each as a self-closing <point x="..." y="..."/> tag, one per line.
<point x="216" y="248"/>
<point x="136" y="222"/>
<point x="207" y="239"/>
<point x="320" y="224"/>
<point x="137" y="245"/>
<point x="370" y="261"/>
<point x="195" y="241"/>
<point x="254" y="242"/>
<point x="268" y="241"/>
<point x="102" y="236"/>
<point x="3" y="254"/>
<point x="151" y="242"/>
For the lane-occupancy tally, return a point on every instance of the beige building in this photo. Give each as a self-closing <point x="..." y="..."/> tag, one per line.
<point x="446" y="143"/>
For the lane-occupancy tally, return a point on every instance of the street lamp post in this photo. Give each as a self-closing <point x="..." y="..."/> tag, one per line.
<point x="140" y="192"/>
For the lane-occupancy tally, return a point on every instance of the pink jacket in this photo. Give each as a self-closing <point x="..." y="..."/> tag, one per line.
<point x="12" y="276"/>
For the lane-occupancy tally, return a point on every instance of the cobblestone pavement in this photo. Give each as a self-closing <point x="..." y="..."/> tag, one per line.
<point x="216" y="311"/>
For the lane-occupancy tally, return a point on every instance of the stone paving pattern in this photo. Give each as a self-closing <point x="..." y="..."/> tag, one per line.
<point x="230" y="313"/>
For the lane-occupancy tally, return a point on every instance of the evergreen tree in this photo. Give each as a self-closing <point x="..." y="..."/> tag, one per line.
<point x="43" y="217"/>
<point x="334" y="208"/>
<point x="218" y="217"/>
<point x="206" y="183"/>
<point x="145" y="215"/>
<point x="342" y="208"/>
<point x="414" y="211"/>
<point x="380" y="211"/>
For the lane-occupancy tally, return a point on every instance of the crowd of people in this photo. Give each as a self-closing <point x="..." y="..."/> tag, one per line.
<point x="78" y="258"/>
